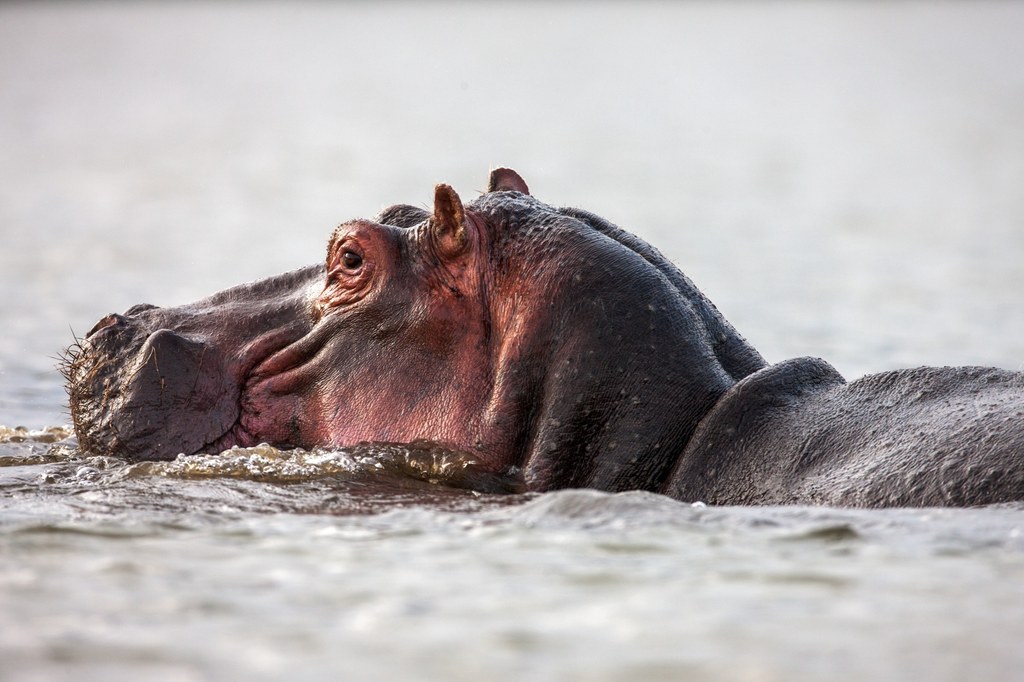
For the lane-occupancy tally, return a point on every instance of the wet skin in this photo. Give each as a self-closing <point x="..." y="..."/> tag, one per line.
<point x="546" y="342"/>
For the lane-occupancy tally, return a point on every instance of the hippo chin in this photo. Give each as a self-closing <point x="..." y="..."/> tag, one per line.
<point x="543" y="340"/>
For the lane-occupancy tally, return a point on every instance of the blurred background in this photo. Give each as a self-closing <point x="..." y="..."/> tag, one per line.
<point x="843" y="179"/>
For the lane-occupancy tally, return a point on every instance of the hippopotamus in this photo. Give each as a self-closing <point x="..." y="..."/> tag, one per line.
<point x="548" y="344"/>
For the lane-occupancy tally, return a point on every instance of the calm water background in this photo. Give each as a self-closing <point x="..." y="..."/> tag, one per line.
<point x="842" y="179"/>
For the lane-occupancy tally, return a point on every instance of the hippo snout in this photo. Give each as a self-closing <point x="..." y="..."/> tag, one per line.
<point x="148" y="395"/>
<point x="153" y="382"/>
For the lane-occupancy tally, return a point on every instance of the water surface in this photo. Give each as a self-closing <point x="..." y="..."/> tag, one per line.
<point x="234" y="566"/>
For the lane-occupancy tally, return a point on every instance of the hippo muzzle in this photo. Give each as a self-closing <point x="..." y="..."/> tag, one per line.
<point x="155" y="382"/>
<point x="169" y="396"/>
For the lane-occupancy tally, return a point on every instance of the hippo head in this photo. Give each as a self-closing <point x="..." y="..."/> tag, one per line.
<point x="530" y="336"/>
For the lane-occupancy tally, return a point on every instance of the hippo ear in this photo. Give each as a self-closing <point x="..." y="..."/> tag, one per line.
<point x="506" y="180"/>
<point x="448" y="224"/>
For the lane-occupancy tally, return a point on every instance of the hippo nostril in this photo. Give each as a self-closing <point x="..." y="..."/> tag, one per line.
<point x="111" y="320"/>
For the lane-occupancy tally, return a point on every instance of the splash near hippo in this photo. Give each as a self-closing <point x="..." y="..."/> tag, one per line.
<point x="548" y="344"/>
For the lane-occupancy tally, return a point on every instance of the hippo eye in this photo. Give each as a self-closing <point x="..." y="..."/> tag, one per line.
<point x="351" y="260"/>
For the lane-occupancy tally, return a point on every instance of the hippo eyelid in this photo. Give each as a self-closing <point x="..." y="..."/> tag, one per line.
<point x="349" y="273"/>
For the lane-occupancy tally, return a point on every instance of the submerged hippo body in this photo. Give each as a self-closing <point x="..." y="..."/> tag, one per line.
<point x="545" y="342"/>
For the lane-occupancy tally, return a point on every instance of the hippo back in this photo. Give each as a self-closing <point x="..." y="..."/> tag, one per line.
<point x="797" y="433"/>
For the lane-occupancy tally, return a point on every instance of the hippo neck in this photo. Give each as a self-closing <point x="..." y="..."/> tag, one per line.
<point x="737" y="357"/>
<point x="603" y="369"/>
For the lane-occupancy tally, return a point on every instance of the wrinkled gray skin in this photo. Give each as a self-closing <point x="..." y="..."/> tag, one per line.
<point x="554" y="347"/>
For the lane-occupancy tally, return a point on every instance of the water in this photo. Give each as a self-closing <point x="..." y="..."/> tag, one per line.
<point x="233" y="566"/>
<point x="842" y="179"/>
